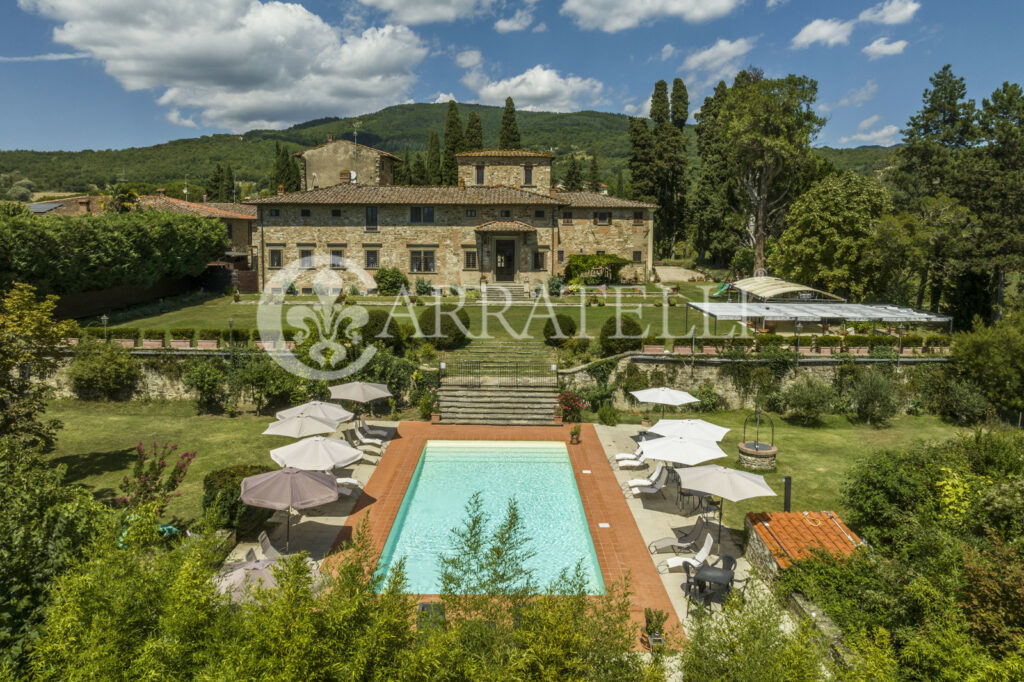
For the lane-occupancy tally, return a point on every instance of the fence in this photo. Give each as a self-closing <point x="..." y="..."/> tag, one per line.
<point x="475" y="373"/>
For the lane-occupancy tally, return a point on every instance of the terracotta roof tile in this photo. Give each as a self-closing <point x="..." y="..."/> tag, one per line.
<point x="164" y="203"/>
<point x="791" y="536"/>
<point x="596" y="200"/>
<point x="506" y="226"/>
<point x="398" y="194"/>
<point x="505" y="152"/>
<point x="241" y="209"/>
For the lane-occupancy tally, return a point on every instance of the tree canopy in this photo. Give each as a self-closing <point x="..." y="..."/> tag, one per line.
<point x="509" y="136"/>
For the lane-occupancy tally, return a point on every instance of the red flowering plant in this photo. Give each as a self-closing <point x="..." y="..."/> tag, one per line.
<point x="572" y="406"/>
<point x="153" y="479"/>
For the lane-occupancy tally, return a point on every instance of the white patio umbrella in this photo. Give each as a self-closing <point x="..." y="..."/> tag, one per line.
<point x="300" y="427"/>
<point x="316" y="454"/>
<point x="688" y="451"/>
<point x="360" y="391"/>
<point x="689" y="428"/>
<point x="318" y="409"/>
<point x="664" y="396"/>
<point x="729" y="484"/>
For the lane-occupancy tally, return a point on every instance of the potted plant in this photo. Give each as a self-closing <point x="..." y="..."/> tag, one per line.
<point x="645" y="420"/>
<point x="574" y="434"/>
<point x="653" y="635"/>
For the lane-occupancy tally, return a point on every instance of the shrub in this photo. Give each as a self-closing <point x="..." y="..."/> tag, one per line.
<point x="220" y="500"/>
<point x="963" y="402"/>
<point x="577" y="345"/>
<point x="571" y="405"/>
<point x="427" y="403"/>
<point x="103" y="372"/>
<point x="808" y="398"/>
<point x="263" y="382"/>
<point x="555" y="284"/>
<point x="618" y="338"/>
<point x="566" y="327"/>
<point x="710" y="400"/>
<point x="424" y="287"/>
<point x="154" y="334"/>
<point x="235" y="336"/>
<point x="873" y="396"/>
<point x="123" y="333"/>
<point x="153" y="479"/>
<point x="186" y="333"/>
<point x="210" y="334"/>
<point x="374" y="327"/>
<point x="390" y="281"/>
<point x="206" y="376"/>
<point x="827" y="341"/>
<point x="608" y="415"/>
<point x="449" y="335"/>
<point x="291" y="289"/>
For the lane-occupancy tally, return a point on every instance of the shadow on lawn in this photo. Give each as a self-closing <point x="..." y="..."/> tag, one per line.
<point x="81" y="466"/>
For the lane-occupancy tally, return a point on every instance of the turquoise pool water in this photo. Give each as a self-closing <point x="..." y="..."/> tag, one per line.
<point x="539" y="475"/>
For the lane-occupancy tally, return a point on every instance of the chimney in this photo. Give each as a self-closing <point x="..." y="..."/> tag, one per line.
<point x="161" y="191"/>
<point x="345" y="177"/>
<point x="280" y="189"/>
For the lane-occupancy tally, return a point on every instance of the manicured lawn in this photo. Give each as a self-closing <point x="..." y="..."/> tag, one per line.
<point x="215" y="312"/>
<point x="816" y="457"/>
<point x="97" y="442"/>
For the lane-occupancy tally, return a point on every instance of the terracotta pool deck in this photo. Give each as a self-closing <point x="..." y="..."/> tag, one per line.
<point x="618" y="542"/>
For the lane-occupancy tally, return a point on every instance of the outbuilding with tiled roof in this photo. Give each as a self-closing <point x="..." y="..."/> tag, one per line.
<point x="777" y="540"/>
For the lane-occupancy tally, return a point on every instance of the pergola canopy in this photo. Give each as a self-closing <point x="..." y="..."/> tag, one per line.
<point x="818" y="312"/>
<point x="768" y="288"/>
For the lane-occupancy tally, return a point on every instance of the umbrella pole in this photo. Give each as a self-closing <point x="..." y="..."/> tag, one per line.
<point x="721" y="516"/>
<point x="288" y="533"/>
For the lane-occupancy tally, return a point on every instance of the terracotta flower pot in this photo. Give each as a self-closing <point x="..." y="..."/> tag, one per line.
<point x="435" y="418"/>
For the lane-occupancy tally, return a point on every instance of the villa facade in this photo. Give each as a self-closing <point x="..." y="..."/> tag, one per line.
<point x="503" y="223"/>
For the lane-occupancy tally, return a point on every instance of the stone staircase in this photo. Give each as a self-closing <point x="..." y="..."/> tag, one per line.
<point x="500" y="293"/>
<point x="508" y="383"/>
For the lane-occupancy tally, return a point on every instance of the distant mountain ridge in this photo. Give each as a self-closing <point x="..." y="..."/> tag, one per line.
<point x="391" y="129"/>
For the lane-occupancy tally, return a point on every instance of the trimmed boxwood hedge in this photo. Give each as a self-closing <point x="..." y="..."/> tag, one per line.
<point x="209" y="334"/>
<point x="187" y="333"/>
<point x="154" y="334"/>
<point x="567" y="327"/>
<point x="221" y="489"/>
<point x="449" y="336"/>
<point x="630" y="338"/>
<point x="122" y="333"/>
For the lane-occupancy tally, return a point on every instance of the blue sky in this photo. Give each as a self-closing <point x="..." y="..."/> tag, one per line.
<point x="96" y="74"/>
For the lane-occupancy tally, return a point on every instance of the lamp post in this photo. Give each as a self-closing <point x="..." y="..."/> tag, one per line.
<point x="797" y="326"/>
<point x="104" y="319"/>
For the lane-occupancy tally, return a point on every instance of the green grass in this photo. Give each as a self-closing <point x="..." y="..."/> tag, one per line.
<point x="215" y="313"/>
<point x="98" y="439"/>
<point x="817" y="457"/>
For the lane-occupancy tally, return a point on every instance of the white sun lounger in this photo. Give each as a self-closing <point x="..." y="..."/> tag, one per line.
<point x="348" y="483"/>
<point x="366" y="440"/>
<point x="649" y="481"/>
<point x="676" y="562"/>
<point x="653" y="489"/>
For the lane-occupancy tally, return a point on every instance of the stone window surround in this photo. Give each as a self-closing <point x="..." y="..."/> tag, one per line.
<point x="339" y="249"/>
<point x="423" y="215"/>
<point x="470" y="254"/>
<point x="372" y="224"/>
<point x="638" y="256"/>
<point x="420" y="253"/>
<point x="567" y="217"/>
<point x="277" y="250"/>
<point x="375" y="250"/>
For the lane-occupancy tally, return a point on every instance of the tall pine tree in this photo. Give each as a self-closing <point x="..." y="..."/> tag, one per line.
<point x="594" y="176"/>
<point x="418" y="171"/>
<point x="433" y="160"/>
<point x="452" y="145"/>
<point x="509" y="138"/>
<point x="474" y="136"/>
<point x="286" y="171"/>
<point x="573" y="181"/>
<point x="227" y="185"/>
<point x="215" y="184"/>
<point x="717" y="230"/>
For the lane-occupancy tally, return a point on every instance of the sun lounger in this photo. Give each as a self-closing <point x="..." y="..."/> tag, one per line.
<point x="653" y="489"/>
<point x="372" y="431"/>
<point x="348" y="482"/>
<point x="623" y="456"/>
<point x="366" y="440"/>
<point x="638" y="463"/>
<point x="638" y="482"/>
<point x="268" y="549"/>
<point x="677" y="562"/>
<point x="687" y="543"/>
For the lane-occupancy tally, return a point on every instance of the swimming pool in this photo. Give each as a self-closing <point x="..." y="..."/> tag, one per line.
<point x="538" y="473"/>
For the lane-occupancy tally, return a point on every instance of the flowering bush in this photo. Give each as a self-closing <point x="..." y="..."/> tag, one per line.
<point x="428" y="403"/>
<point x="571" y="405"/>
<point x="151" y="481"/>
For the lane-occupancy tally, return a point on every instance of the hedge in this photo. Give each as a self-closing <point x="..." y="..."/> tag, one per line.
<point x="154" y="334"/>
<point x="612" y="343"/>
<point x="184" y="333"/>
<point x="123" y="333"/>
<point x="209" y="334"/>
<point x="221" y="489"/>
<point x="567" y="327"/>
<point x="449" y="336"/>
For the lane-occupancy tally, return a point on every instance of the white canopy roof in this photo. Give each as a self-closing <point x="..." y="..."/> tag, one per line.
<point x="818" y="312"/>
<point x="771" y="287"/>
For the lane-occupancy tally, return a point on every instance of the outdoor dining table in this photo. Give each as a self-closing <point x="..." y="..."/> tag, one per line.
<point x="714" y="575"/>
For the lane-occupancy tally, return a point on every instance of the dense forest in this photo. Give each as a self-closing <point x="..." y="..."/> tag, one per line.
<point x="393" y="129"/>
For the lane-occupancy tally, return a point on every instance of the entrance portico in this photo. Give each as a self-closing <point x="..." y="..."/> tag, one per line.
<point x="506" y="248"/>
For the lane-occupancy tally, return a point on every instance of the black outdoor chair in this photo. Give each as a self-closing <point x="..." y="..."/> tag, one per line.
<point x="693" y="590"/>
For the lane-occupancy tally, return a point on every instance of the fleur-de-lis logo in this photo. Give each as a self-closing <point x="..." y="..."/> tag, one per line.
<point x="325" y="333"/>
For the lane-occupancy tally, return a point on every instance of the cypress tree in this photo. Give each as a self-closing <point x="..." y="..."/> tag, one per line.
<point x="418" y="172"/>
<point x="594" y="177"/>
<point x="620" y="185"/>
<point x="641" y="158"/>
<point x="474" y="137"/>
<point x="573" y="177"/>
<point x="452" y="145"/>
<point x="509" y="127"/>
<point x="403" y="168"/>
<point x="282" y="170"/>
<point x="660" y="112"/>
<point x="227" y="186"/>
<point x="294" y="175"/>
<point x="433" y="160"/>
<point x="215" y="183"/>
<point x="717" y="232"/>
<point x="680" y="104"/>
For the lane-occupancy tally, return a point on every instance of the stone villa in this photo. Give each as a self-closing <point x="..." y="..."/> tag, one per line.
<point x="503" y="223"/>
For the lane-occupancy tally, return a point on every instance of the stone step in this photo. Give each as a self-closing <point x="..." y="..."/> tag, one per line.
<point x="499" y="422"/>
<point x="499" y="405"/>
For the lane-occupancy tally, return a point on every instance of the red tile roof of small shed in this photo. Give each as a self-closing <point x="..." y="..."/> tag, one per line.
<point x="791" y="536"/>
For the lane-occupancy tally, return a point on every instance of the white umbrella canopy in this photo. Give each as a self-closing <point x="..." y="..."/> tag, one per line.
<point x="235" y="579"/>
<point x="688" y="451"/>
<point x="689" y="428"/>
<point x="730" y="484"/>
<point x="316" y="454"/>
<point x="360" y="391"/>
<point x="664" y="396"/>
<point x="300" y="427"/>
<point x="318" y="409"/>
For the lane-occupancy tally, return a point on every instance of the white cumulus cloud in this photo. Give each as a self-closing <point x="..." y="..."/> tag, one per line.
<point x="883" y="48"/>
<point x="868" y="123"/>
<point x="540" y="28"/>
<point x="536" y="89"/>
<point x="643" y="110"/>
<point x="428" y="11"/>
<point x="175" y="117"/>
<point x="891" y="12"/>
<point x="617" y="15"/>
<point x="444" y="98"/>
<point x="718" y="61"/>
<point x="469" y="59"/>
<point x="240" y="64"/>
<point x="772" y="4"/>
<point x="520" y="21"/>
<point x="883" y="137"/>
<point x="830" y="32"/>
<point x="48" y="57"/>
<point x="667" y="52"/>
<point x="855" y="98"/>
